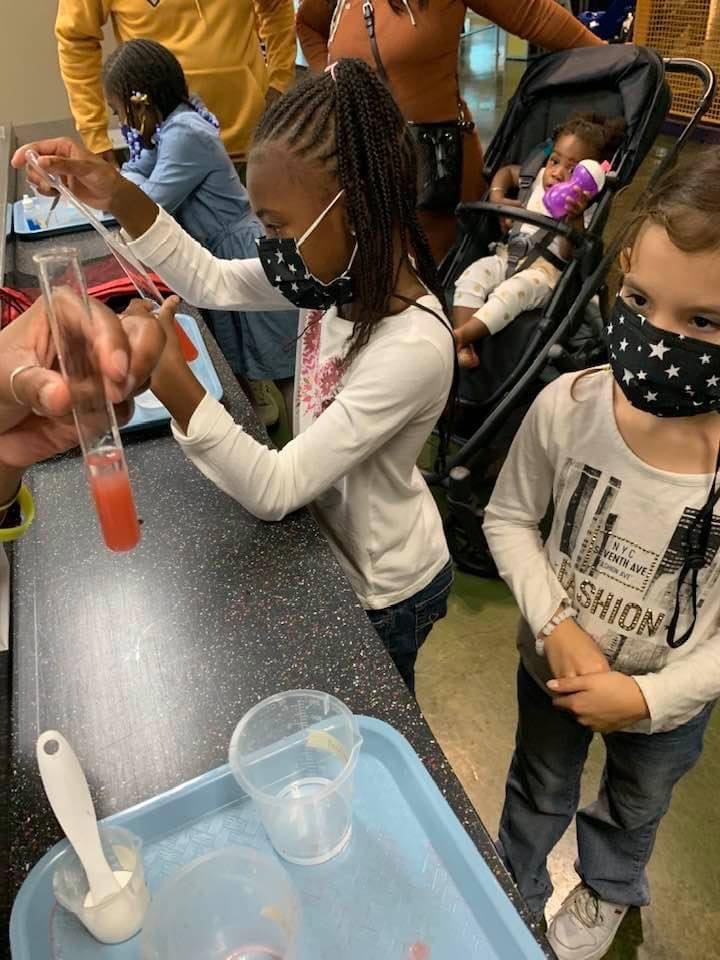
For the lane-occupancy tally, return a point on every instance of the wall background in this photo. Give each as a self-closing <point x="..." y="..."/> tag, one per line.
<point x="31" y="90"/>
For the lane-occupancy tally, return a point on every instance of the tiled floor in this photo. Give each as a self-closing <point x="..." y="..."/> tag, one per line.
<point x="466" y="689"/>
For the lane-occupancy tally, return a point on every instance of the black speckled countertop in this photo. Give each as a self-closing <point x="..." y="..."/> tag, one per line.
<point x="147" y="660"/>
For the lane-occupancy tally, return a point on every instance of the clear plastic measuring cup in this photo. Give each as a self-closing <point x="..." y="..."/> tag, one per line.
<point x="232" y="904"/>
<point x="118" y="918"/>
<point x="295" y="755"/>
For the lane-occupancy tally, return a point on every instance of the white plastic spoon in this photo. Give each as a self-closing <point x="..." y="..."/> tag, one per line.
<point x="69" y="796"/>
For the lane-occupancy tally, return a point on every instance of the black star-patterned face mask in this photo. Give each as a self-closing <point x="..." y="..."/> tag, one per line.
<point x="285" y="268"/>
<point x="663" y="373"/>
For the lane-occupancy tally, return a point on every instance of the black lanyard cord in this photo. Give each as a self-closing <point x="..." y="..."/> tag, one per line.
<point x="696" y="544"/>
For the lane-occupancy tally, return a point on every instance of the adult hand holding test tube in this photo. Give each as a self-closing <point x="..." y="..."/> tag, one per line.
<point x="35" y="402"/>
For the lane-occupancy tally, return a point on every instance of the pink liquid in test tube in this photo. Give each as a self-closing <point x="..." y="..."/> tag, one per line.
<point x="114" y="502"/>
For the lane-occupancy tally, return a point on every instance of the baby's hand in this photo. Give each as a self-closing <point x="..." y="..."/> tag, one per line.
<point x="506" y="223"/>
<point x="467" y="357"/>
<point x="577" y="204"/>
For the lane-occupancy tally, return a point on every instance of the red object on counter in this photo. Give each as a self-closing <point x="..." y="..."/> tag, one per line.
<point x="12" y="304"/>
<point x="189" y="350"/>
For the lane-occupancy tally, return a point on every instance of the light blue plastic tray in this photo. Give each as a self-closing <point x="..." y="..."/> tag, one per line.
<point x="409" y="875"/>
<point x="65" y="219"/>
<point x="203" y="369"/>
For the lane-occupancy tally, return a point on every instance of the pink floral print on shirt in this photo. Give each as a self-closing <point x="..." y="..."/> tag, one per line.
<point x="319" y="381"/>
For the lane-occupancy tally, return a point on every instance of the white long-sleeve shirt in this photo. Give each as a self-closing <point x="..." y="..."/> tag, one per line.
<point x="359" y="431"/>
<point x="614" y="550"/>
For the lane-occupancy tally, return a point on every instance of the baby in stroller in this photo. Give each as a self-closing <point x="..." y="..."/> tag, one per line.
<point x="521" y="273"/>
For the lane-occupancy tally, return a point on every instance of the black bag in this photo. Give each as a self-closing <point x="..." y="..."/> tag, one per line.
<point x="439" y="144"/>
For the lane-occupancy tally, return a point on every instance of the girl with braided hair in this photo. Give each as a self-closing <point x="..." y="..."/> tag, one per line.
<point x="178" y="159"/>
<point x="331" y="176"/>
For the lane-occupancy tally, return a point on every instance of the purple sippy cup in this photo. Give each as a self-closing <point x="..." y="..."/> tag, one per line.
<point x="589" y="176"/>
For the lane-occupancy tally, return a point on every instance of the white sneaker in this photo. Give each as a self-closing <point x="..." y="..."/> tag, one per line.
<point x="585" y="926"/>
<point x="264" y="402"/>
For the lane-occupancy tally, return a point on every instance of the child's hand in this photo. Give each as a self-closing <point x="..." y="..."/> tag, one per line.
<point x="173" y="368"/>
<point x="571" y="652"/>
<point x="577" y="204"/>
<point x="90" y="177"/>
<point x="506" y="224"/>
<point x="602" y="701"/>
<point x="173" y="382"/>
<point x="109" y="157"/>
<point x="467" y="357"/>
<point x="172" y="363"/>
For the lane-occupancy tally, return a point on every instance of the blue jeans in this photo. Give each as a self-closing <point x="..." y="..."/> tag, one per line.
<point x="405" y="626"/>
<point x="616" y="833"/>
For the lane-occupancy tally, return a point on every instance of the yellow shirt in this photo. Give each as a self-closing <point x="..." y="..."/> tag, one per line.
<point x="216" y="41"/>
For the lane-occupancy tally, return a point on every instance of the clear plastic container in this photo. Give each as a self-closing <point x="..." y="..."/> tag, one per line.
<point x="295" y="755"/>
<point x="232" y="904"/>
<point x="119" y="917"/>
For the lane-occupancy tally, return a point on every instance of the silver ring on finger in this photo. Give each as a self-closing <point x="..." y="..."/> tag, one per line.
<point x="14" y="375"/>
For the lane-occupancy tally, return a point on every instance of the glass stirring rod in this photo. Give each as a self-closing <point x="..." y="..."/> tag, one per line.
<point x="72" y="326"/>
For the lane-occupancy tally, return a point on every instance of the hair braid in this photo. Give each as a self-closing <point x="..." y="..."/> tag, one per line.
<point x="350" y="125"/>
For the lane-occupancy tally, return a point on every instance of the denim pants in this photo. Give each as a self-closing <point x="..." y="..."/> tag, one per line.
<point x="405" y="626"/>
<point x="616" y="833"/>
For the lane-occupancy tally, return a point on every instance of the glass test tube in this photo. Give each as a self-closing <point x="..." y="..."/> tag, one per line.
<point x="72" y="325"/>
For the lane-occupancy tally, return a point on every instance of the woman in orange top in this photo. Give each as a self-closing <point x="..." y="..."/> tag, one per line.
<point x="418" y="43"/>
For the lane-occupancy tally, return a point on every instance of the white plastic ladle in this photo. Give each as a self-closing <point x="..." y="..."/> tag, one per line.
<point x="69" y="796"/>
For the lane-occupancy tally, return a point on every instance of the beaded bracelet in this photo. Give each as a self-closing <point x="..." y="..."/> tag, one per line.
<point x="566" y="612"/>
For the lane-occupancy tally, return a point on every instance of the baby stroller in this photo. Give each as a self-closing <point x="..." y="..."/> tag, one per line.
<point x="566" y="335"/>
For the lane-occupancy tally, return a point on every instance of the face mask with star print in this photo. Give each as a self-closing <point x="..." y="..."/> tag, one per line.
<point x="285" y="268"/>
<point x="666" y="374"/>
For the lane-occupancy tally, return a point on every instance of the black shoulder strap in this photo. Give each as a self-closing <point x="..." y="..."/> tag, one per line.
<point x="369" y="18"/>
<point x="368" y="10"/>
